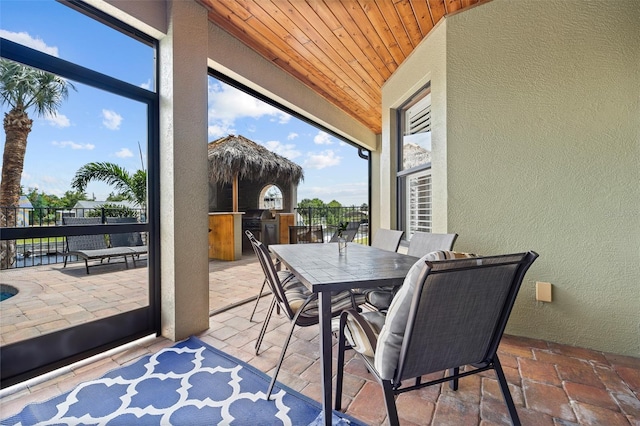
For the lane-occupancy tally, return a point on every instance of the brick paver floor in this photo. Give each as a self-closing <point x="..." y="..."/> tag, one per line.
<point x="551" y="384"/>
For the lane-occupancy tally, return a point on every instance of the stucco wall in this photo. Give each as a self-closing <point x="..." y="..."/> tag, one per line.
<point x="543" y="153"/>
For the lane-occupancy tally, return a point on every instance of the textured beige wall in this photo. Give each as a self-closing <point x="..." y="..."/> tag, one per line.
<point x="543" y="153"/>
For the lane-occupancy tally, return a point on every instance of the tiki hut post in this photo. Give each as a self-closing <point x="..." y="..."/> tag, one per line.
<point x="234" y="192"/>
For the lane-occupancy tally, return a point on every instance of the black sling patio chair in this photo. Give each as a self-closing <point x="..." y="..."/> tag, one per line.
<point x="421" y="243"/>
<point x="284" y="276"/>
<point x="387" y="239"/>
<point x="349" y="234"/>
<point x="297" y="303"/>
<point x="447" y="314"/>
<point x="304" y="234"/>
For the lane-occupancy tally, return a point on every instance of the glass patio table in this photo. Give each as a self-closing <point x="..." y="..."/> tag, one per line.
<point x="323" y="270"/>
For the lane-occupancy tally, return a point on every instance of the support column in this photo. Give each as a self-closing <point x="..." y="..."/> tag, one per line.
<point x="183" y="170"/>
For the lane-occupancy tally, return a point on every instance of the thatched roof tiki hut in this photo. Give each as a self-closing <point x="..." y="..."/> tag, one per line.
<point x="240" y="170"/>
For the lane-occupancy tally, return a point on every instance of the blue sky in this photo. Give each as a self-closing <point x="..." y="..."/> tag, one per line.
<point x="95" y="126"/>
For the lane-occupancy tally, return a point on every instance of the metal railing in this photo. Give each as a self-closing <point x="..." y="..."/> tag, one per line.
<point x="331" y="217"/>
<point x="34" y="251"/>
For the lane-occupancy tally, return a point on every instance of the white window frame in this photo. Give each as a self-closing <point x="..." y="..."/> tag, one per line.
<point x="414" y="186"/>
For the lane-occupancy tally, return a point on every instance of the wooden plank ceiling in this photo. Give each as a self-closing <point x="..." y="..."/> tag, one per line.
<point x="342" y="49"/>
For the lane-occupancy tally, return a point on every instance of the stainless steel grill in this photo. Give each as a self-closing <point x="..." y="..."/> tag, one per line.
<point x="263" y="226"/>
<point x="252" y="220"/>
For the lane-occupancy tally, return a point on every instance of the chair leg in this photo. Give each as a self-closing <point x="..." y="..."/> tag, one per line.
<point x="284" y="351"/>
<point x="257" y="300"/>
<point x="504" y="387"/>
<point x="340" y="367"/>
<point x="390" y="402"/>
<point x="86" y="265"/>
<point x="453" y="384"/>
<point x="263" y="330"/>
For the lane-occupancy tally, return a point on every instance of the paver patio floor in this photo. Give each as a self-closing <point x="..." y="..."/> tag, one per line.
<point x="551" y="384"/>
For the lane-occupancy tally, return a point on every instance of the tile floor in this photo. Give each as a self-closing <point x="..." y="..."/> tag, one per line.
<point x="551" y="384"/>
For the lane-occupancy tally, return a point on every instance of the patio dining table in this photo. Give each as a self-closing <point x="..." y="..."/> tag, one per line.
<point x="323" y="270"/>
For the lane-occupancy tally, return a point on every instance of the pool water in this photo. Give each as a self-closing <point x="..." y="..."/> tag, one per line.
<point x="7" y="291"/>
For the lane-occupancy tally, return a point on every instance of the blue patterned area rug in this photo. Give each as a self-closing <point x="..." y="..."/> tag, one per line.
<point x="188" y="384"/>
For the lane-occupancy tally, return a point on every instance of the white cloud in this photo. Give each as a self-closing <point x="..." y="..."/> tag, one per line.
<point x="221" y="129"/>
<point x="26" y="39"/>
<point x="73" y="145"/>
<point x="286" y="150"/>
<point x="227" y="104"/>
<point x="146" y="85"/>
<point x="282" y="118"/>
<point x="322" y="138"/>
<point x="321" y="160"/>
<point x="124" y="153"/>
<point x="57" y="120"/>
<point x="111" y="119"/>
<point x="291" y="136"/>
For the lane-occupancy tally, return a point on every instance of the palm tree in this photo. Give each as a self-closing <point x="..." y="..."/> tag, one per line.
<point x="132" y="186"/>
<point x="22" y="88"/>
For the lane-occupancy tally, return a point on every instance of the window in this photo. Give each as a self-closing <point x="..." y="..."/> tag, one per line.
<point x="414" y="165"/>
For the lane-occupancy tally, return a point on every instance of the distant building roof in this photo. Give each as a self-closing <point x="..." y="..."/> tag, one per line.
<point x="24" y="202"/>
<point x="85" y="204"/>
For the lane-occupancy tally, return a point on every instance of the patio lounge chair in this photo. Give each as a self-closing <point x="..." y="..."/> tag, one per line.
<point x="132" y="240"/>
<point x="91" y="247"/>
<point x="447" y="314"/>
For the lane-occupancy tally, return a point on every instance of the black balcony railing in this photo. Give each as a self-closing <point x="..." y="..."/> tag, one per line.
<point x="331" y="217"/>
<point x="34" y="251"/>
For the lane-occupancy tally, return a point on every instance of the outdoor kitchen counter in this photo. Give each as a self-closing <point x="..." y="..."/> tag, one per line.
<point x="225" y="235"/>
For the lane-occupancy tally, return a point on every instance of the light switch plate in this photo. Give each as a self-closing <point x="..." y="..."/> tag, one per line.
<point x="543" y="291"/>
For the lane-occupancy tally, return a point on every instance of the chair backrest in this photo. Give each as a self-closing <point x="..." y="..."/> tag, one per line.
<point x="302" y="234"/>
<point x="387" y="239"/>
<point x="84" y="242"/>
<point x="348" y="234"/>
<point x="270" y="274"/>
<point x="438" y="325"/>
<point x="422" y="243"/>
<point x="125" y="239"/>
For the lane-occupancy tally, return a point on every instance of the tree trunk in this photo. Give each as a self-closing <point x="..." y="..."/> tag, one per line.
<point x="17" y="126"/>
